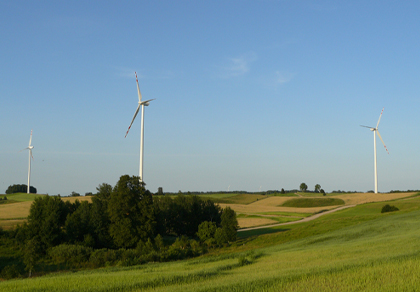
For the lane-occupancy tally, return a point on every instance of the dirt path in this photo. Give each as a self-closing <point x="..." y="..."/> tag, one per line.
<point x="310" y="218"/>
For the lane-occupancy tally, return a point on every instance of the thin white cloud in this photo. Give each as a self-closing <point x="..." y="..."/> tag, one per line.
<point x="237" y="66"/>
<point x="283" y="77"/>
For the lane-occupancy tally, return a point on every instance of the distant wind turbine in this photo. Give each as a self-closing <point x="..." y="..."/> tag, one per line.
<point x="142" y="104"/>
<point x="30" y="147"/>
<point x="374" y="147"/>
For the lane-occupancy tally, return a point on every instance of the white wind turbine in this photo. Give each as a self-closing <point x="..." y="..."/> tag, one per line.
<point x="30" y="147"/>
<point x="374" y="147"/>
<point x="142" y="104"/>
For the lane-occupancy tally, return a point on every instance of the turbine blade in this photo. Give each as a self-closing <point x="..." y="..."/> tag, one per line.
<point x="138" y="88"/>
<point x="380" y="116"/>
<point x="379" y="135"/>
<point x="30" y="151"/>
<point x="30" y="139"/>
<point x="135" y="114"/>
<point x="147" y="101"/>
<point x="367" y="127"/>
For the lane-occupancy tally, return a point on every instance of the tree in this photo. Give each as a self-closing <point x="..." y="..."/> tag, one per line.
<point x="303" y="187"/>
<point x="20" y="189"/>
<point x="282" y="191"/>
<point x="229" y="224"/>
<point x="206" y="230"/>
<point x="317" y="188"/>
<point x="78" y="225"/>
<point x="31" y="253"/>
<point x="46" y="219"/>
<point x="131" y="213"/>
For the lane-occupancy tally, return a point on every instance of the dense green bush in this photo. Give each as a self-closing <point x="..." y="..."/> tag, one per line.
<point x="388" y="208"/>
<point x="10" y="272"/>
<point x="20" y="189"/>
<point x="70" y="254"/>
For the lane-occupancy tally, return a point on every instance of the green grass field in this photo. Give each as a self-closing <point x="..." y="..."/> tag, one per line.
<point x="21" y="197"/>
<point x="238" y="199"/>
<point x="356" y="249"/>
<point x="312" y="202"/>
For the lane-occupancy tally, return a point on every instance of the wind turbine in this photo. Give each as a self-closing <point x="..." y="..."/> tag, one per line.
<point x="374" y="147"/>
<point x="142" y="104"/>
<point x="30" y="147"/>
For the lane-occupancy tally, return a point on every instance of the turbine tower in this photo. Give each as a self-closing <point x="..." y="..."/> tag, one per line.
<point x="374" y="147"/>
<point x="30" y="147"/>
<point x="142" y="104"/>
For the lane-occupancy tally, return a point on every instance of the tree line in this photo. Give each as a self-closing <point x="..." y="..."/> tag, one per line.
<point x="122" y="224"/>
<point x="20" y="189"/>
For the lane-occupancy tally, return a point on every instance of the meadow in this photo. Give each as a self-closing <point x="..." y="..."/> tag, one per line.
<point x="356" y="249"/>
<point x="252" y="209"/>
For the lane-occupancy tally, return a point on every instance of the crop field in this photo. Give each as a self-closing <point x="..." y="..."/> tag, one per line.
<point x="356" y="249"/>
<point x="242" y="199"/>
<point x="273" y="205"/>
<point x="312" y="202"/>
<point x="17" y="211"/>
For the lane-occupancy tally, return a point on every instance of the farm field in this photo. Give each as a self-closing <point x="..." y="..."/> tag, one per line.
<point x="252" y="209"/>
<point x="356" y="249"/>
<point x="17" y="209"/>
<point x="271" y="210"/>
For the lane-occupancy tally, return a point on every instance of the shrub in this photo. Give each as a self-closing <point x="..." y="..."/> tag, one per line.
<point x="71" y="255"/>
<point x="206" y="230"/>
<point x="10" y="272"/>
<point x="388" y="208"/>
<point x="103" y="257"/>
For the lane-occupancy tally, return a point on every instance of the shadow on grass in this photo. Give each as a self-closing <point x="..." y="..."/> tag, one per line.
<point x="256" y="232"/>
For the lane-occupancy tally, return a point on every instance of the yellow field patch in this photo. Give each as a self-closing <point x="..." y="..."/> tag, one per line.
<point x="362" y="198"/>
<point x="21" y="209"/>
<point x="251" y="222"/>
<point x="15" y="210"/>
<point x="10" y="224"/>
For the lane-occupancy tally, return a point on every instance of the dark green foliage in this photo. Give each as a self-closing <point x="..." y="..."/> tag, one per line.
<point x="183" y="214"/>
<point x="130" y="212"/>
<point x="282" y="191"/>
<point x="388" y="208"/>
<point x="206" y="230"/>
<point x="74" y="194"/>
<point x="303" y="187"/>
<point x="312" y="202"/>
<point x="123" y="217"/>
<point x="46" y="219"/>
<point x="10" y="272"/>
<point x="31" y="253"/>
<point x="322" y="192"/>
<point x="229" y="224"/>
<point x="20" y="189"/>
<point x="70" y="255"/>
<point x="78" y="224"/>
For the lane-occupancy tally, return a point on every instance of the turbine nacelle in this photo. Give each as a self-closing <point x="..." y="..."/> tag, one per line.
<point x="146" y="102"/>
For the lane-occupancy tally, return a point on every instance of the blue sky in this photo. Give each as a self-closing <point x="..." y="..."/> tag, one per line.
<point x="249" y="95"/>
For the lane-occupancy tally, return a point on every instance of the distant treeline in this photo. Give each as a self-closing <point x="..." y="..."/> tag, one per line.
<point x="20" y="189"/>
<point x="124" y="225"/>
<point x="230" y="192"/>
<point x="408" y="191"/>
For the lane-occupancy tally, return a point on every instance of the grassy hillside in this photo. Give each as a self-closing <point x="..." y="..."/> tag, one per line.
<point x="357" y="249"/>
<point x="21" y="197"/>
<point x="239" y="199"/>
<point x="313" y="202"/>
